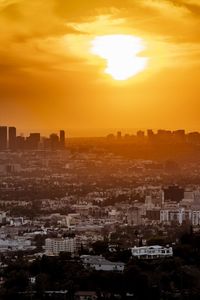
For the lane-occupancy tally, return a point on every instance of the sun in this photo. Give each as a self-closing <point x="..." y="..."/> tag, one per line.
<point x="121" y="53"/>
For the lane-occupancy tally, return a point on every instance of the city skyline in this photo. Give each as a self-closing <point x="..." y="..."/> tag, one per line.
<point x="10" y="134"/>
<point x="9" y="139"/>
<point x="52" y="77"/>
<point x="97" y="132"/>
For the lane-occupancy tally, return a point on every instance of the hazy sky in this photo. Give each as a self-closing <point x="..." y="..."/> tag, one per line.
<point x="50" y="79"/>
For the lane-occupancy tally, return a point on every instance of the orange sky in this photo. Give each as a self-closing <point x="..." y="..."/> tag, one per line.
<point x="49" y="78"/>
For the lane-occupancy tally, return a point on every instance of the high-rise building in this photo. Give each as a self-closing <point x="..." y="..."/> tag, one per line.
<point x="150" y="134"/>
<point x="54" y="141"/>
<point x="164" y="136"/>
<point x="173" y="193"/>
<point x="119" y="135"/>
<point x="3" y="137"/>
<point x="20" y="142"/>
<point x="12" y="138"/>
<point x="33" y="141"/>
<point x="193" y="137"/>
<point x="62" y="139"/>
<point x="179" y="135"/>
<point x="140" y="134"/>
<point x="53" y="246"/>
<point x="46" y="143"/>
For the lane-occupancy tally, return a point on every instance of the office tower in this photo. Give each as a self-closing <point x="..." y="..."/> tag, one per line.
<point x="54" y="141"/>
<point x="193" y="137"/>
<point x="179" y="136"/>
<point x="110" y="136"/>
<point x="134" y="216"/>
<point x="12" y="138"/>
<point x="46" y="143"/>
<point x="62" y="139"/>
<point x="140" y="134"/>
<point x="164" y="136"/>
<point x="33" y="141"/>
<point x="3" y="137"/>
<point x="20" y="142"/>
<point x="173" y="193"/>
<point x="150" y="134"/>
<point x="119" y="135"/>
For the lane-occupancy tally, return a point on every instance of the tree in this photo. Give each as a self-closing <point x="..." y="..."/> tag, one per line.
<point x="100" y="247"/>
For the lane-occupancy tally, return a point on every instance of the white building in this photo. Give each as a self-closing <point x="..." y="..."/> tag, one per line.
<point x="53" y="246"/>
<point x="189" y="195"/>
<point x="151" y="252"/>
<point x="196" y="217"/>
<point x="18" y="221"/>
<point x="148" y="202"/>
<point x="179" y="215"/>
<point x="19" y="243"/>
<point x="172" y="215"/>
<point x="134" y="216"/>
<point x="3" y="217"/>
<point x="99" y="263"/>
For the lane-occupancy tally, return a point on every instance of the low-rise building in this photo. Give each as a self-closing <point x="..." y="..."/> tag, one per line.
<point x="151" y="252"/>
<point x="99" y="263"/>
<point x="15" y="244"/>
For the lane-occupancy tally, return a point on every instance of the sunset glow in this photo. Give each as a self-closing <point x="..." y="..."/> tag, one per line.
<point x="136" y="63"/>
<point x="121" y="53"/>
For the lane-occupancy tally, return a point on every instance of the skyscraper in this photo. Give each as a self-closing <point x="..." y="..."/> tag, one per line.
<point x="32" y="142"/>
<point x="12" y="138"/>
<point x="3" y="137"/>
<point x="173" y="193"/>
<point x="119" y="135"/>
<point x="62" y="139"/>
<point x="54" y="141"/>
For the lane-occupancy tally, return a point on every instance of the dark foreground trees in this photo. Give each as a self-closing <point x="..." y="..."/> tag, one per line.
<point x="170" y="278"/>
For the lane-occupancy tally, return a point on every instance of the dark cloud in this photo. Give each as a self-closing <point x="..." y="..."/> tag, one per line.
<point x="12" y="12"/>
<point x="193" y="8"/>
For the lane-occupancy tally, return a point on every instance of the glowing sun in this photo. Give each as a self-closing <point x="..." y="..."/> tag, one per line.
<point x="121" y="53"/>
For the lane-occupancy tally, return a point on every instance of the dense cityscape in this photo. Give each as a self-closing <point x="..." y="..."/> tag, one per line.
<point x="112" y="210"/>
<point x="99" y="150"/>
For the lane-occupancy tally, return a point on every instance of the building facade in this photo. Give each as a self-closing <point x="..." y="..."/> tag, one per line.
<point x="3" y="137"/>
<point x="53" y="246"/>
<point x="151" y="252"/>
<point x="180" y="215"/>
